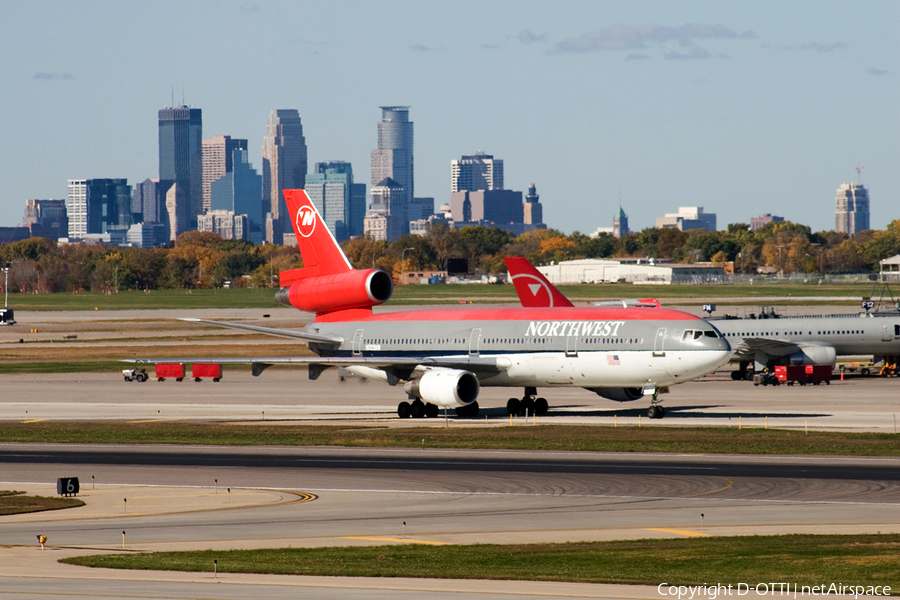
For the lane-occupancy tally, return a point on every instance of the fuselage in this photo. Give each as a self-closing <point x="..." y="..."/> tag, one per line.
<point x="849" y="335"/>
<point x="583" y="347"/>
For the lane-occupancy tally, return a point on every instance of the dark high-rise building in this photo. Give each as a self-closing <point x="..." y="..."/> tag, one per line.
<point x="98" y="206"/>
<point x="46" y="218"/>
<point x="394" y="157"/>
<point x="488" y="206"/>
<point x="217" y="161"/>
<point x="283" y="168"/>
<point x="181" y="157"/>
<point x="476" y="172"/>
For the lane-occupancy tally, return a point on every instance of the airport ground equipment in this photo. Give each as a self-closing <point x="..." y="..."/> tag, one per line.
<point x="135" y="375"/>
<point x="803" y="374"/>
<point x="199" y="371"/>
<point x="169" y="371"/>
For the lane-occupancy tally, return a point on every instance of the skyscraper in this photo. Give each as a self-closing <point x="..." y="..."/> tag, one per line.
<point x="534" y="212"/>
<point x="181" y="157"/>
<point x="851" y="209"/>
<point x="98" y="206"/>
<point x="240" y="192"/>
<point x="620" y="224"/>
<point x="46" y="218"/>
<point x="331" y="189"/>
<point x="479" y="171"/>
<point x="394" y="157"/>
<point x="217" y="160"/>
<point x="283" y="168"/>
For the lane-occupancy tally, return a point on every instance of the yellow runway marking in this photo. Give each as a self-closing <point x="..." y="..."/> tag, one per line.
<point x="684" y="532"/>
<point x="155" y="420"/>
<point x="34" y="421"/>
<point x="399" y="540"/>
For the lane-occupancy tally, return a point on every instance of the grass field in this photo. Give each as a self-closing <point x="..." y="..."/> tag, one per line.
<point x="425" y="294"/>
<point x="541" y="437"/>
<point x="14" y="503"/>
<point x="810" y="560"/>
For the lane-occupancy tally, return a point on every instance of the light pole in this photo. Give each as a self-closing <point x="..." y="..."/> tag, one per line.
<point x="6" y="287"/>
<point x="403" y="254"/>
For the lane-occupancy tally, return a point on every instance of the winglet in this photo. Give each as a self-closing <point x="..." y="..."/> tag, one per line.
<point x="532" y="287"/>
<point x="320" y="251"/>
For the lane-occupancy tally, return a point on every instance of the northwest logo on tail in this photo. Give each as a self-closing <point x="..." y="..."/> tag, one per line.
<point x="305" y="221"/>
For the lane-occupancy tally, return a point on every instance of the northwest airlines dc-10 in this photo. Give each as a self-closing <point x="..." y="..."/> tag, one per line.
<point x="767" y="341"/>
<point x="442" y="357"/>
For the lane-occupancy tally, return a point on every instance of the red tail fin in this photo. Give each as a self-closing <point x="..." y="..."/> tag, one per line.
<point x="533" y="289"/>
<point x="320" y="251"/>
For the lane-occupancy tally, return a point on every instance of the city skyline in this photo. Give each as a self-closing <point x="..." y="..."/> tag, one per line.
<point x="674" y="105"/>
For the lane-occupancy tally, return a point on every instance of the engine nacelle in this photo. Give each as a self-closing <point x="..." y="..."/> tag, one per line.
<point x="814" y="355"/>
<point x="343" y="291"/>
<point x="443" y="387"/>
<point x="619" y="394"/>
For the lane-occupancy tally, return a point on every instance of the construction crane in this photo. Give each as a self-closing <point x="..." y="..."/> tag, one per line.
<point x="858" y="169"/>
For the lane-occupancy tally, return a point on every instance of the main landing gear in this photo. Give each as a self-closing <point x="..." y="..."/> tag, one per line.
<point x="529" y="404"/>
<point x="418" y="409"/>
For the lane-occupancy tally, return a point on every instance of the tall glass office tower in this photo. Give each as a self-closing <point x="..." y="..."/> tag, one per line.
<point x="283" y="168"/>
<point x="394" y="157"/>
<point x="181" y="157"/>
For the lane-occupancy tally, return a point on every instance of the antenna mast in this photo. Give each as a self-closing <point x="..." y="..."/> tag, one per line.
<point x="858" y="179"/>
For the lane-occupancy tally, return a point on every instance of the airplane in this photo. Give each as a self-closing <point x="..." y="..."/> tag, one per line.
<point x="761" y="343"/>
<point x="442" y="357"/>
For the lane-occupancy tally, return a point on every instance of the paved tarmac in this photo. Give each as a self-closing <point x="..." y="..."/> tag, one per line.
<point x="334" y="496"/>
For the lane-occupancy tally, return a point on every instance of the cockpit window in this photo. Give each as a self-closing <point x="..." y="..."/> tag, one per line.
<point x="710" y="333"/>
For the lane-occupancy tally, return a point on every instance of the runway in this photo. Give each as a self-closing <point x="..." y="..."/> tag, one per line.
<point x="364" y="496"/>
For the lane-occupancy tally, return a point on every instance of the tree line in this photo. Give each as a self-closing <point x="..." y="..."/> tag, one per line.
<point x="204" y="260"/>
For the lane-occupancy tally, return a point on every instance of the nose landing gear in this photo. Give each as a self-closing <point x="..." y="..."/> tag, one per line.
<point x="656" y="410"/>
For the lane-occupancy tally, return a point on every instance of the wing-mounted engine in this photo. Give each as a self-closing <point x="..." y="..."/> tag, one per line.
<point x="330" y="293"/>
<point x="814" y="355"/>
<point x="443" y="387"/>
<point x="619" y="394"/>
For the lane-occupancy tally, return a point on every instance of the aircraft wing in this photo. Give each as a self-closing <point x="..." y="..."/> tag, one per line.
<point x="768" y="346"/>
<point x="288" y="333"/>
<point x="399" y="366"/>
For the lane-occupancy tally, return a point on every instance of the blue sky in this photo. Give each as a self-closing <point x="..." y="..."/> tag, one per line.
<point x="742" y="108"/>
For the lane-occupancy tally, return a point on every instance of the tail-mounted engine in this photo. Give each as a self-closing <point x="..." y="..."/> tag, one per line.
<point x="341" y="291"/>
<point x="443" y="387"/>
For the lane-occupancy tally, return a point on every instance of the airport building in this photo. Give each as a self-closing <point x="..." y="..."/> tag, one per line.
<point x="637" y="271"/>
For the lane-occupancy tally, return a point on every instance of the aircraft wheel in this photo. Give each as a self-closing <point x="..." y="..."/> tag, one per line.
<point x="736" y="376"/>
<point x="512" y="406"/>
<point x="749" y="376"/>
<point x="460" y="411"/>
<point x="655" y="412"/>
<point x="403" y="410"/>
<point x="431" y="410"/>
<point x="527" y="406"/>
<point x="827" y="382"/>
<point x="541" y="407"/>
<point x="473" y="409"/>
<point x="417" y="409"/>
